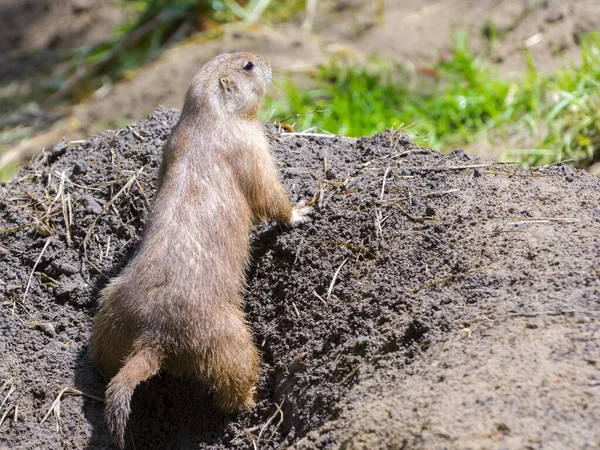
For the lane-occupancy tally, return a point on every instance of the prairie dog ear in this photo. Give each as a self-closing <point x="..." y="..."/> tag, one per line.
<point x="226" y="84"/>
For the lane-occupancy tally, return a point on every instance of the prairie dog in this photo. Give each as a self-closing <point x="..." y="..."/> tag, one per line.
<point x="177" y="304"/>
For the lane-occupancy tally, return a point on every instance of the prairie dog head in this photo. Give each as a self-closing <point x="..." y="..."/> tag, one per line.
<point x="230" y="83"/>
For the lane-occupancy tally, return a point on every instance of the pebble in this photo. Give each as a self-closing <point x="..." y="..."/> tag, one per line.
<point x="60" y="148"/>
<point x="65" y="268"/>
<point x="48" y="329"/>
<point x="92" y="205"/>
<point x="79" y="167"/>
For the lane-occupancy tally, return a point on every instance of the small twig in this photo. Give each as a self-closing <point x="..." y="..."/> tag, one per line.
<point x="298" y="115"/>
<point x="303" y="133"/>
<point x="32" y="271"/>
<point x="385" y="218"/>
<point x="407" y="152"/>
<point x="17" y="228"/>
<point x="59" y="194"/>
<point x="360" y="248"/>
<point x="14" y="314"/>
<point x="14" y="406"/>
<point x="33" y="197"/>
<point x="104" y="208"/>
<point x="6" y="383"/>
<point x="470" y="166"/>
<point x="378" y="216"/>
<point x="319" y="297"/>
<point x="347" y="377"/>
<point x="68" y="216"/>
<point x="478" y="166"/>
<point x="558" y="162"/>
<point x="248" y="431"/>
<point x="107" y="247"/>
<point x="52" y="280"/>
<point x="321" y="197"/>
<point x="135" y="133"/>
<point x="506" y="173"/>
<point x="296" y="309"/>
<point x="333" y="280"/>
<point x="269" y="420"/>
<point x="279" y="422"/>
<point x="86" y="187"/>
<point x="55" y="407"/>
<point x="518" y="220"/>
<point x="383" y="184"/>
<point x="10" y="390"/>
<point x="138" y="184"/>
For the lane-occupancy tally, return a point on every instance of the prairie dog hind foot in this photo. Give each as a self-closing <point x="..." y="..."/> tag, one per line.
<point x="300" y="213"/>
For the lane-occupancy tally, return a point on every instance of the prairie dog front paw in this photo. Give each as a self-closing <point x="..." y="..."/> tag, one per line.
<point x="300" y="213"/>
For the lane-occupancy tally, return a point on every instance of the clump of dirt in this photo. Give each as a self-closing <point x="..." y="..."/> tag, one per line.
<point x="433" y="300"/>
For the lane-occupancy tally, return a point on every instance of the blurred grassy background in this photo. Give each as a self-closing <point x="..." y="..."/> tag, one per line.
<point x="461" y="101"/>
<point x="156" y="25"/>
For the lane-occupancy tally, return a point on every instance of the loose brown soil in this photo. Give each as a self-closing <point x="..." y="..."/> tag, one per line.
<point x="465" y="312"/>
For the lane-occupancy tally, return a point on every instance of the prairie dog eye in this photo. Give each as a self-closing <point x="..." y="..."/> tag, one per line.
<point x="248" y="66"/>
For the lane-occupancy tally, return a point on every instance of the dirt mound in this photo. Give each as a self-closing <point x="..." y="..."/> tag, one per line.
<point x="433" y="301"/>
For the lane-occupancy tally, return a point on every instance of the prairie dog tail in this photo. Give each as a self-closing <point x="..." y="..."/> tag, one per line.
<point x="142" y="363"/>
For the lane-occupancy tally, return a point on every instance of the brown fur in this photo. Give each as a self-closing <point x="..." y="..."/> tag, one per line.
<point x="177" y="304"/>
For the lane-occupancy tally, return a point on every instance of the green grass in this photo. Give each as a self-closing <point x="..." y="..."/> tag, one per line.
<point x="461" y="102"/>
